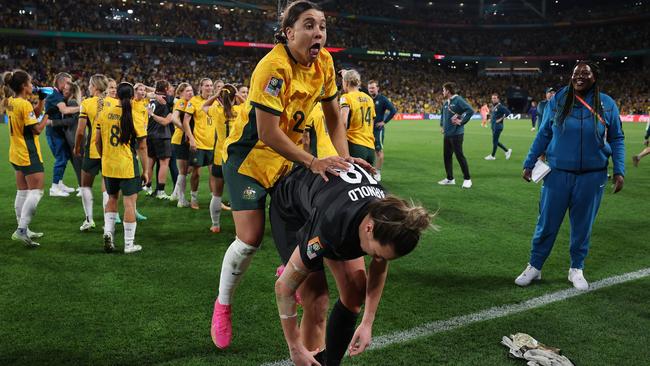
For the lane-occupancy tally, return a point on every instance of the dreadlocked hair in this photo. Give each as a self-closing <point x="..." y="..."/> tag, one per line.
<point x="125" y="93"/>
<point x="569" y="100"/>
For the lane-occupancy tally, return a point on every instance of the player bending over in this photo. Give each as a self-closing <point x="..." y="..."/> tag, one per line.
<point x="337" y="223"/>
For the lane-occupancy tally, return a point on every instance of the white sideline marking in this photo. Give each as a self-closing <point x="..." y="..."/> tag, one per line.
<point x="488" y="314"/>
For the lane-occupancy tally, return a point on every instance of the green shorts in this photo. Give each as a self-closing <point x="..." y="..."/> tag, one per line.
<point x="128" y="186"/>
<point x="29" y="169"/>
<point x="201" y="157"/>
<point x="217" y="171"/>
<point x="182" y="151"/>
<point x="379" y="138"/>
<point x="245" y="192"/>
<point x="91" y="166"/>
<point x="365" y="153"/>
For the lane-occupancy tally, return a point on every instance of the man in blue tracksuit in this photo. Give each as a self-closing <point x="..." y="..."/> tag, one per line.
<point x="456" y="112"/>
<point x="548" y="94"/>
<point x="382" y="105"/>
<point x="532" y="112"/>
<point x="55" y="108"/>
<point x="498" y="113"/>
<point x="578" y="140"/>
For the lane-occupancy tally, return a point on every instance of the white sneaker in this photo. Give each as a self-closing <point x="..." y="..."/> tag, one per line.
<point x="447" y="182"/>
<point x="78" y="193"/>
<point x="490" y="157"/>
<point x="467" y="183"/>
<point x="529" y="275"/>
<point x="161" y="195"/>
<point x="148" y="190"/>
<point x="182" y="204"/>
<point x="87" y="225"/>
<point x="532" y="129"/>
<point x="173" y="197"/>
<point x="578" y="279"/>
<point x="109" y="245"/>
<point x="377" y="176"/>
<point x="55" y="191"/>
<point x="33" y="234"/>
<point x="508" y="153"/>
<point x="65" y="188"/>
<point x="27" y="241"/>
<point x="128" y="249"/>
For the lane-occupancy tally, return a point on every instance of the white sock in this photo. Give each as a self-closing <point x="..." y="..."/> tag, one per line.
<point x="109" y="222"/>
<point x="21" y="196"/>
<point x="29" y="208"/>
<point x="87" y="202"/>
<point x="195" y="195"/>
<point x="129" y="233"/>
<point x="180" y="187"/>
<point x="104" y="199"/>
<point x="235" y="263"/>
<point x="215" y="210"/>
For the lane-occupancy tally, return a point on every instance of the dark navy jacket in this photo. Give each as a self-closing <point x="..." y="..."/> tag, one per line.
<point x="382" y="104"/>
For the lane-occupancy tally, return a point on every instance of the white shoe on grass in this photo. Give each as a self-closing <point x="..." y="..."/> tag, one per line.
<point x="33" y="234"/>
<point x="161" y="195"/>
<point x="467" y="183"/>
<point x="27" y="241"/>
<point x="87" y="225"/>
<point x="55" y="191"/>
<point x="578" y="279"/>
<point x="182" y="203"/>
<point x="447" y="182"/>
<point x="529" y="275"/>
<point x="490" y="157"/>
<point x="128" y="249"/>
<point x="508" y="153"/>
<point x="65" y="188"/>
<point x="377" y="176"/>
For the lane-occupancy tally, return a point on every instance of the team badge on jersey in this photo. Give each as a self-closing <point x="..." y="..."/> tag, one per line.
<point x="32" y="115"/>
<point x="274" y="86"/>
<point x="249" y="194"/>
<point x="314" y="248"/>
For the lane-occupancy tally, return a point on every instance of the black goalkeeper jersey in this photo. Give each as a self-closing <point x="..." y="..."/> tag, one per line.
<point x="322" y="218"/>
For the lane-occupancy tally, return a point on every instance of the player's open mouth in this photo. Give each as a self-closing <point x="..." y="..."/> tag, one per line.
<point x="580" y="82"/>
<point x="314" y="49"/>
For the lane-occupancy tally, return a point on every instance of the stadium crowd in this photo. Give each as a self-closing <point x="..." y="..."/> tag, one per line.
<point x="206" y="22"/>
<point x="414" y="87"/>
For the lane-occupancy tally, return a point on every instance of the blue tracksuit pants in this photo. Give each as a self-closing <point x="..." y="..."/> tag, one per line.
<point x="61" y="153"/>
<point x="581" y="195"/>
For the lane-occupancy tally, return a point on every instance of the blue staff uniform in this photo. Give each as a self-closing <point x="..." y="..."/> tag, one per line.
<point x="382" y="104"/>
<point x="533" y="115"/>
<point x="56" y="136"/>
<point x="578" y="152"/>
<point x="499" y="112"/>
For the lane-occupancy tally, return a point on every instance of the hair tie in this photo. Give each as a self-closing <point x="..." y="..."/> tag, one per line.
<point x="225" y="91"/>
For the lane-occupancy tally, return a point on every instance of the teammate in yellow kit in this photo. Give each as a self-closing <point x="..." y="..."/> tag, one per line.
<point x="358" y="112"/>
<point x="118" y="137"/>
<point x="263" y="144"/>
<point x="180" y="146"/>
<point x="222" y="109"/>
<point x="24" y="151"/>
<point x="91" y="161"/>
<point x="200" y="137"/>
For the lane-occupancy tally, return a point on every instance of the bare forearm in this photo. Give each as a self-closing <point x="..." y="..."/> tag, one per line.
<point x="377" y="273"/>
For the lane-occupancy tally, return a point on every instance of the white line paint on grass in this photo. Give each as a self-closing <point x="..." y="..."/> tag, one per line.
<point x="491" y="313"/>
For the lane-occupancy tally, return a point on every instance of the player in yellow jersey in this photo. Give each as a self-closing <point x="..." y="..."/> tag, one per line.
<point x="242" y="90"/>
<point x="316" y="139"/>
<point x="118" y="137"/>
<point x="263" y="143"/>
<point x="91" y="161"/>
<point x="112" y="88"/>
<point x="180" y="146"/>
<point x="358" y="112"/>
<point x="24" y="151"/>
<point x="222" y="110"/>
<point x="200" y="137"/>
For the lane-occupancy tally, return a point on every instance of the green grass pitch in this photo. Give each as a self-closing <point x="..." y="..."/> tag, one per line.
<point x="70" y="303"/>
